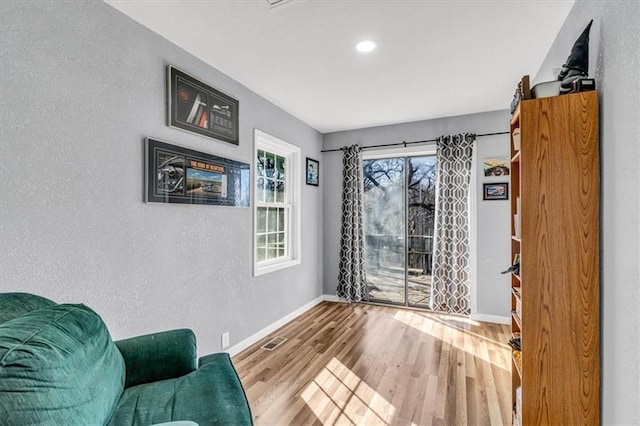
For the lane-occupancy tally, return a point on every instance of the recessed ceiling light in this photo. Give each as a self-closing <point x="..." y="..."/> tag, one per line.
<point x="366" y="46"/>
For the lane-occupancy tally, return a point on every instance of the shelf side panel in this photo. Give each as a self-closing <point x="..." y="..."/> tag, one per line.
<point x="560" y="260"/>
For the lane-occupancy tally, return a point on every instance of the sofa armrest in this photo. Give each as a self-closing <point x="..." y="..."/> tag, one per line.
<point x="158" y="356"/>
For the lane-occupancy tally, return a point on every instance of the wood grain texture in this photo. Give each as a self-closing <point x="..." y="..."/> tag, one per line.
<point x="559" y="189"/>
<point x="367" y="365"/>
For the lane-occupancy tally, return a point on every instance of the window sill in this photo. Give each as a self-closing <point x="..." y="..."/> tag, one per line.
<point x="272" y="267"/>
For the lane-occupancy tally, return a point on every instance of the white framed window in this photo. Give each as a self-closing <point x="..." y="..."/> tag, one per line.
<point x="277" y="177"/>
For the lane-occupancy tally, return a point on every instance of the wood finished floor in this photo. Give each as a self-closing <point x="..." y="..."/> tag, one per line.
<point x="372" y="365"/>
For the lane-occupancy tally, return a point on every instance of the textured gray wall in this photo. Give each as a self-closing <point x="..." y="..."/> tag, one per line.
<point x="614" y="62"/>
<point x="491" y="290"/>
<point x="491" y="252"/>
<point x="81" y="86"/>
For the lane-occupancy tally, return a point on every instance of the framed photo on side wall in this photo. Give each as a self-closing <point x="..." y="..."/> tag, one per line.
<point x="495" y="191"/>
<point x="496" y="167"/>
<point x="313" y="172"/>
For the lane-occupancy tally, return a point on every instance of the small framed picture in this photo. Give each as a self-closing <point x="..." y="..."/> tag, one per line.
<point x="496" y="167"/>
<point x="313" y="172"/>
<point x="495" y="191"/>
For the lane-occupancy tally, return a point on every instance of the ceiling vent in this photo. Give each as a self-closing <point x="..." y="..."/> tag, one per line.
<point x="274" y="3"/>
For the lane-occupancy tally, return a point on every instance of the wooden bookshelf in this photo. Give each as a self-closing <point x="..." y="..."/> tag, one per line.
<point x="555" y="177"/>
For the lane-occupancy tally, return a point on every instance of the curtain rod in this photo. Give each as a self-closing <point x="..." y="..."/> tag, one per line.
<point x="410" y="143"/>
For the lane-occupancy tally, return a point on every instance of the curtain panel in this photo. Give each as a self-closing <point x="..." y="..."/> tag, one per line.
<point x="352" y="283"/>
<point x="450" y="275"/>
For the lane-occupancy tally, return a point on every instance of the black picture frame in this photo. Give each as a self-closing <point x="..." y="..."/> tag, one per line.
<point x="174" y="174"/>
<point x="312" y="172"/>
<point x="495" y="191"/>
<point x="199" y="108"/>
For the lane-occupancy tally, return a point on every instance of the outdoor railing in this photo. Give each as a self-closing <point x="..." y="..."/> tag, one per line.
<point x="388" y="251"/>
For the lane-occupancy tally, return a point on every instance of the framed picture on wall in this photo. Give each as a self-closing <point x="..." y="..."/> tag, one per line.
<point x="175" y="174"/>
<point x="496" y="167"/>
<point x="313" y="172"/>
<point x="199" y="108"/>
<point x="495" y="191"/>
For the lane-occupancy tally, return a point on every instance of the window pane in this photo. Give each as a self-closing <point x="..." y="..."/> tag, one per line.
<point x="280" y="166"/>
<point x="260" y="163"/>
<point x="282" y="244"/>
<point x="260" y="194"/>
<point x="270" y="164"/>
<point x="261" y="254"/>
<point x="272" y="253"/>
<point x="261" y="248"/>
<point x="272" y="222"/>
<point x="281" y="219"/>
<point x="280" y="198"/>
<point x="272" y="246"/>
<point x="276" y="194"/>
<point x="262" y="219"/>
<point x="269" y="191"/>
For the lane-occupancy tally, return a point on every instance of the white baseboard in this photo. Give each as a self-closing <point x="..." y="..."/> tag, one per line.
<point x="498" y="319"/>
<point x="331" y="298"/>
<point x="239" y="347"/>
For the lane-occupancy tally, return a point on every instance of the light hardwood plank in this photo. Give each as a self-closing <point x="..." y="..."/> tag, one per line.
<point x="372" y="365"/>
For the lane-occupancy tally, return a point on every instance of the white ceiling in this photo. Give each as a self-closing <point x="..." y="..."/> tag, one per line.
<point x="434" y="58"/>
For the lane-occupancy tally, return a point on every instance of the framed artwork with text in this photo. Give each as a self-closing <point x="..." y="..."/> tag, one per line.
<point x="199" y="108"/>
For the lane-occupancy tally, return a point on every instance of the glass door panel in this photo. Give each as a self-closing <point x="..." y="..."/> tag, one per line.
<point x="399" y="208"/>
<point x="421" y="195"/>
<point x="385" y="229"/>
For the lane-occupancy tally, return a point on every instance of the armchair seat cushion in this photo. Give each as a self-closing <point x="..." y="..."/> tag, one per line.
<point x="210" y="395"/>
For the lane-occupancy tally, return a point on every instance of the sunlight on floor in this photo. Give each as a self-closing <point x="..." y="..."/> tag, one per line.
<point x="441" y="327"/>
<point x="457" y="318"/>
<point x="338" y="396"/>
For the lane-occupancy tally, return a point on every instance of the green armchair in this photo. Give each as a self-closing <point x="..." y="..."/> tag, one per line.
<point x="58" y="365"/>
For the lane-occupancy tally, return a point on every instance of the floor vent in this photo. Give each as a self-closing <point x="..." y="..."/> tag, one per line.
<point x="274" y="343"/>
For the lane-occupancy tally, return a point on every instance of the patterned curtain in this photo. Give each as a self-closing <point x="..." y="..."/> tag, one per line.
<point x="352" y="283"/>
<point x="450" y="274"/>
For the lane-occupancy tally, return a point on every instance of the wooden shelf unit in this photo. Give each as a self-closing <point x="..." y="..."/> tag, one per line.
<point x="555" y="175"/>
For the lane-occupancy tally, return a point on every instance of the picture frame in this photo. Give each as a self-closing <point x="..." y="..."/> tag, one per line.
<point x="312" y="172"/>
<point x="198" y="108"/>
<point x="495" y="191"/>
<point x="174" y="174"/>
<point x="496" y="167"/>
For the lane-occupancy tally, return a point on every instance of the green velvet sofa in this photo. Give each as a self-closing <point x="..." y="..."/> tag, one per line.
<point x="59" y="366"/>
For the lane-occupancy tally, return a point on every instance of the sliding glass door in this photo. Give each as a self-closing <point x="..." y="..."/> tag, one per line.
<point x="399" y="208"/>
<point x="384" y="218"/>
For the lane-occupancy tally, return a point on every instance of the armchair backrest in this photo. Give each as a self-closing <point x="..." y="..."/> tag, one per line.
<point x="58" y="365"/>
<point x="13" y="305"/>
